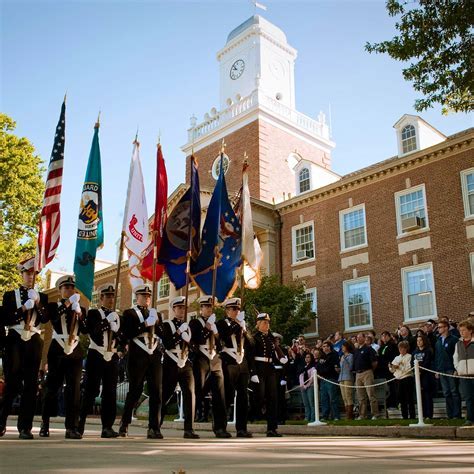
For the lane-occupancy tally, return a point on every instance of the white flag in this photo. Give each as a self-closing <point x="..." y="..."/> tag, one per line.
<point x="135" y="219"/>
<point x="252" y="255"/>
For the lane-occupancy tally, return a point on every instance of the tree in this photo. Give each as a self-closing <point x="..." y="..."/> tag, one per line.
<point x="290" y="312"/>
<point x="21" y="194"/>
<point x="436" y="37"/>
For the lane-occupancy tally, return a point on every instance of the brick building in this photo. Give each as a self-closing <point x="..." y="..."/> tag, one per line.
<point x="390" y="243"/>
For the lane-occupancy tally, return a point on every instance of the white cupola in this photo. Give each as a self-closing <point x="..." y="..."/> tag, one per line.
<point x="257" y="56"/>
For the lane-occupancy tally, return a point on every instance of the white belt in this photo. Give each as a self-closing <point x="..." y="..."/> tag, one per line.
<point x="63" y="341"/>
<point x="278" y="367"/>
<point x="25" y="335"/>
<point x="107" y="355"/>
<point x="262" y="359"/>
<point x="204" y="348"/>
<point x="146" y="345"/>
<point x="234" y="354"/>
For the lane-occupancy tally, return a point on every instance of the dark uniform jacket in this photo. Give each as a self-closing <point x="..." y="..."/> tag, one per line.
<point x="131" y="326"/>
<point x="13" y="315"/>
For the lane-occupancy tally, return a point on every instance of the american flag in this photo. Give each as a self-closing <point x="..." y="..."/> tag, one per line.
<point x="48" y="235"/>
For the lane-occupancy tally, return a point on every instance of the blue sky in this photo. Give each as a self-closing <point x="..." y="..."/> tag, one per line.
<point x="152" y="64"/>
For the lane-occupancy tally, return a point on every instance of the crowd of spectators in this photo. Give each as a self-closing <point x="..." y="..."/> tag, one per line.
<point x="441" y="346"/>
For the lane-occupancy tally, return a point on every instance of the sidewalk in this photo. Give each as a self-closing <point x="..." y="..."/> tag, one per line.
<point x="432" y="432"/>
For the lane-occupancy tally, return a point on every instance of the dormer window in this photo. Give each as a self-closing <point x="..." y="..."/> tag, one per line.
<point x="408" y="139"/>
<point x="304" y="180"/>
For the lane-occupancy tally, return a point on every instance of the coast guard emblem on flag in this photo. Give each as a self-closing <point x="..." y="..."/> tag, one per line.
<point x="89" y="212"/>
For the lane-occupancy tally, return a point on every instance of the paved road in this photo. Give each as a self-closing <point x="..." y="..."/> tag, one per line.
<point x="208" y="455"/>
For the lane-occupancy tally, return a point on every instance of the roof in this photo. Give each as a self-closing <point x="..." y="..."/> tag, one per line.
<point x="270" y="28"/>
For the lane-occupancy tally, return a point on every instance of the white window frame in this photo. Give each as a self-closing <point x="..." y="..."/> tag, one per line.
<point x="345" y="285"/>
<point x="471" y="260"/>
<point x="467" y="214"/>
<point x="404" y="272"/>
<point x="314" y="309"/>
<point x="398" y="195"/>
<point x="161" y="298"/>
<point x="293" y="243"/>
<point x="216" y="163"/>
<point x="308" y="169"/>
<point x="342" y="213"/>
<point x="402" y="141"/>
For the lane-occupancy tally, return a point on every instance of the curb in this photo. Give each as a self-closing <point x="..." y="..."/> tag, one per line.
<point x="431" y="432"/>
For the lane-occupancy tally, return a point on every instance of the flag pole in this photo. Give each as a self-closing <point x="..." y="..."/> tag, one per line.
<point x="117" y="279"/>
<point x="155" y="260"/>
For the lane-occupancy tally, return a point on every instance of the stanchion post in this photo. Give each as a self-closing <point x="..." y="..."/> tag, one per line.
<point x="180" y="407"/>
<point x="419" y="402"/>
<point x="316" y="421"/>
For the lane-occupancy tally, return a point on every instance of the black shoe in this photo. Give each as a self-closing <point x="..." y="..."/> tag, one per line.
<point x="190" y="434"/>
<point x="154" y="434"/>
<point x="123" y="430"/>
<point x="109" y="433"/>
<point x="44" y="430"/>
<point x="73" y="434"/>
<point x="26" y="434"/>
<point x="222" y="434"/>
<point x="244" y="434"/>
<point x="273" y="434"/>
<point x="202" y="419"/>
<point x="3" y="430"/>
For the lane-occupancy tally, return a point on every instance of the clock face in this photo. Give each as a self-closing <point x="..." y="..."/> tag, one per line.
<point x="237" y="69"/>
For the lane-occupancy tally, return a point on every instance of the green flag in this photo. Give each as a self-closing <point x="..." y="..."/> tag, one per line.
<point x="90" y="231"/>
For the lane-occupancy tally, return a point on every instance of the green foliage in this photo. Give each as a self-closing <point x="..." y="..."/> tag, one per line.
<point x="435" y="36"/>
<point x="289" y="311"/>
<point x="21" y="194"/>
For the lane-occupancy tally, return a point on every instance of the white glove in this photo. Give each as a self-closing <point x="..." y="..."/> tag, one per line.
<point x="243" y="325"/>
<point x="254" y="379"/>
<point x="76" y="308"/>
<point x="112" y="317"/>
<point x="241" y="316"/>
<point x="29" y="304"/>
<point x="152" y="318"/>
<point x="185" y="336"/>
<point x="283" y="383"/>
<point x="153" y="312"/>
<point x="214" y="328"/>
<point x="114" y="326"/>
<point x="33" y="295"/>
<point x="74" y="298"/>
<point x="284" y="360"/>
<point x="183" y="328"/>
<point x="211" y="319"/>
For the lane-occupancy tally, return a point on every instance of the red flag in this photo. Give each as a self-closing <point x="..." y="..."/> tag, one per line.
<point x="159" y="220"/>
<point x="50" y="219"/>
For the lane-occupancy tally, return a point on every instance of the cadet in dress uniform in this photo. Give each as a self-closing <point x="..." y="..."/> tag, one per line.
<point x="235" y="343"/>
<point x="207" y="366"/>
<point x="141" y="326"/>
<point x="176" y="366"/>
<point x="23" y="349"/>
<point x="65" y="357"/>
<point x="103" y="326"/>
<point x="263" y="371"/>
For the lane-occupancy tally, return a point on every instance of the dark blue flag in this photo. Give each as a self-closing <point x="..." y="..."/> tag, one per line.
<point x="222" y="234"/>
<point x="185" y="218"/>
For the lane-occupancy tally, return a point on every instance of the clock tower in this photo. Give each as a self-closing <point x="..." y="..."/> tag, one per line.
<point x="258" y="120"/>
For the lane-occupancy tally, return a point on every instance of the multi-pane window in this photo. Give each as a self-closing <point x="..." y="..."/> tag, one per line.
<point x="95" y="299"/>
<point x="357" y="305"/>
<point x="467" y="181"/>
<point x="408" y="139"/>
<point x="164" y="287"/>
<point x="418" y="292"/>
<point x="311" y="295"/>
<point x="411" y="210"/>
<point x="353" y="229"/>
<point x="304" y="180"/>
<point x="303" y="242"/>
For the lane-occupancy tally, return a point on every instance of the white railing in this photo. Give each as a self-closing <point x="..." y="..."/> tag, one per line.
<point x="254" y="100"/>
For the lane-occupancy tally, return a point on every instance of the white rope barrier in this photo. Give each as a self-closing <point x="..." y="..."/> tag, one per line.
<point x="468" y="377"/>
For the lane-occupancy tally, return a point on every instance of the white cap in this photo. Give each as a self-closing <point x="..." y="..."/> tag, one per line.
<point x="177" y="301"/>
<point x="231" y="302"/>
<point x="26" y="265"/>
<point x="65" y="280"/>
<point x="206" y="299"/>
<point x="142" y="290"/>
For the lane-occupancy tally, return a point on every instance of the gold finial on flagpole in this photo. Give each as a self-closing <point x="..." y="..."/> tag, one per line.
<point x="246" y="162"/>
<point x="223" y="145"/>
<point x="65" y="95"/>
<point x="97" y="124"/>
<point x="136" y="138"/>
